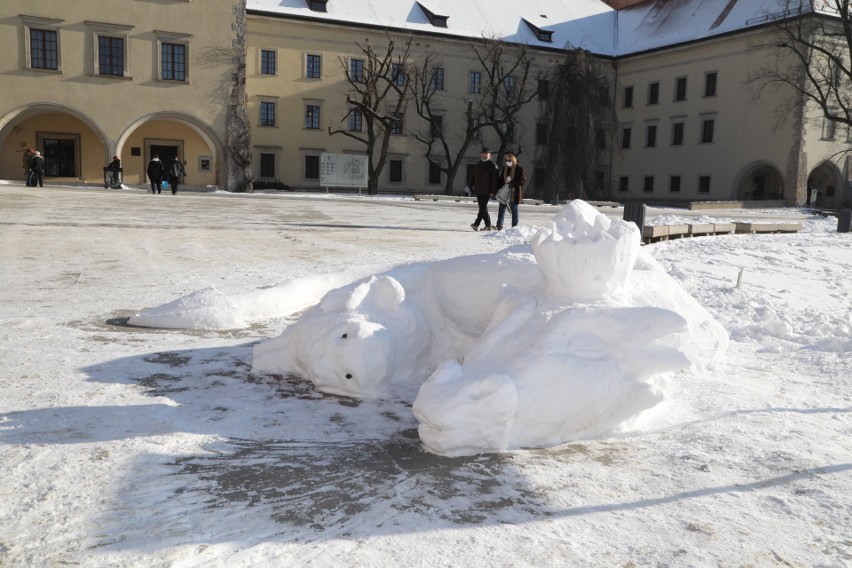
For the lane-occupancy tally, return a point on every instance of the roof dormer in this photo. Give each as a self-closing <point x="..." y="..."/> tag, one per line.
<point x="542" y="34"/>
<point x="435" y="14"/>
<point x="318" y="5"/>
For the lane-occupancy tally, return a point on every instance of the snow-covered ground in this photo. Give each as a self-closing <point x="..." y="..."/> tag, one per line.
<point x="126" y="446"/>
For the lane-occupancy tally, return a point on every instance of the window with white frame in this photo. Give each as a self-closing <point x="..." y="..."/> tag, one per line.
<point x="313" y="66"/>
<point x="398" y="74"/>
<point x="110" y="46"/>
<point x="438" y="78"/>
<point x="312" y="116"/>
<point x="268" y="113"/>
<point x="356" y="120"/>
<point x="356" y="69"/>
<point x="42" y="43"/>
<point x="474" y="82"/>
<point x="398" y="123"/>
<point x="174" y="56"/>
<point x="268" y="62"/>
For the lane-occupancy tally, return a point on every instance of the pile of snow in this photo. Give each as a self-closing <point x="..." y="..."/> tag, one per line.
<point x="532" y="346"/>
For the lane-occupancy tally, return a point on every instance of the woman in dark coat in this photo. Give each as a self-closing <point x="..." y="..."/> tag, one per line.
<point x="513" y="174"/>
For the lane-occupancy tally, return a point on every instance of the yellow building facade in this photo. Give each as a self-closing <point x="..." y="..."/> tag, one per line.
<point x="85" y="80"/>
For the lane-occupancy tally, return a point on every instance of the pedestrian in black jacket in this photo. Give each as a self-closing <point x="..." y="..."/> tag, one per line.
<point x="156" y="171"/>
<point x="483" y="184"/>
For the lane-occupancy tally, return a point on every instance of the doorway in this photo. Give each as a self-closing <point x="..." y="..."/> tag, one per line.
<point x="167" y="150"/>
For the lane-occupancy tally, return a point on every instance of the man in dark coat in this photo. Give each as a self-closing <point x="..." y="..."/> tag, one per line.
<point x="155" y="174"/>
<point x="483" y="184"/>
<point x="38" y="169"/>
<point x="176" y="173"/>
<point x="29" y="154"/>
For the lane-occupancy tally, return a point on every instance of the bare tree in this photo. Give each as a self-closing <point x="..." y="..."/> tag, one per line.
<point x="378" y="94"/>
<point x="427" y="87"/>
<point x="238" y="129"/>
<point x="506" y="85"/>
<point x="812" y="48"/>
<point x="578" y="122"/>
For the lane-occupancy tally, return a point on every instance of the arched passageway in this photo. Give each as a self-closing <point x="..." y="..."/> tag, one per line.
<point x="825" y="187"/>
<point x="761" y="182"/>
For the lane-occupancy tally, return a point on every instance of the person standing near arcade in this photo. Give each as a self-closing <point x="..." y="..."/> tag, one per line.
<point x="38" y="169"/>
<point x="513" y="174"/>
<point x="155" y="174"/>
<point x="483" y="184"/>
<point x="176" y="173"/>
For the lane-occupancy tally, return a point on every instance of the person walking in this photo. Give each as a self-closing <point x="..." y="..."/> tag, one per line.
<point x="27" y="162"/>
<point x="513" y="174"/>
<point x="483" y="184"/>
<point x="155" y="174"/>
<point x="38" y="169"/>
<point x="176" y="172"/>
<point x="113" y="179"/>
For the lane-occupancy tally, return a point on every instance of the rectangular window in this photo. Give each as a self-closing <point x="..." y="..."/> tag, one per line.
<point x="356" y="119"/>
<point x="710" y="84"/>
<point x="649" y="184"/>
<point x="44" y="49"/>
<point x="707" y="127"/>
<point x="318" y="5"/>
<point x="397" y="124"/>
<point x="628" y="97"/>
<point x="434" y="173"/>
<point x="625" y="137"/>
<point x="398" y="74"/>
<point x="110" y="55"/>
<point x="829" y="129"/>
<point x="395" y="171"/>
<point x="474" y="82"/>
<point x="654" y="93"/>
<point x="541" y="133"/>
<point x="267" y="113"/>
<point x="651" y="136"/>
<point x="267" y="165"/>
<point x="474" y="125"/>
<point x="312" y="167"/>
<point x="356" y="69"/>
<point x="509" y="83"/>
<point x="312" y="117"/>
<point x="674" y="184"/>
<point x="677" y="134"/>
<point x="680" y="89"/>
<point x="313" y="66"/>
<point x="267" y="62"/>
<point x="623" y="184"/>
<point x="438" y="78"/>
<point x="437" y="126"/>
<point x="174" y="62"/>
<point x="703" y="184"/>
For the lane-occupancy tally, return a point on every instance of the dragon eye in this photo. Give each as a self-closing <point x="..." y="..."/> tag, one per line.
<point x="344" y="336"/>
<point x="588" y="347"/>
<point x="348" y="375"/>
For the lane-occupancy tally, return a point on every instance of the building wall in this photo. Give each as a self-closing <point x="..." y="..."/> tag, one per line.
<point x="76" y="99"/>
<point x="290" y="142"/>
<point x="756" y="152"/>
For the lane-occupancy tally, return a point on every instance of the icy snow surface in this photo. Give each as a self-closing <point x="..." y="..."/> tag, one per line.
<point x="130" y="446"/>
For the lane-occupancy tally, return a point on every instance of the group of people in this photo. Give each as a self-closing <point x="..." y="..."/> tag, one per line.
<point x="33" y="167"/>
<point x="485" y="182"/>
<point x="157" y="172"/>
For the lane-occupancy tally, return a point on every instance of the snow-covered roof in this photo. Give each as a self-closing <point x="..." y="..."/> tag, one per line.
<point x="589" y="24"/>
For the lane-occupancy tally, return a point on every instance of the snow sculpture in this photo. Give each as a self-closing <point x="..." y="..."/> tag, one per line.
<point x="532" y="346"/>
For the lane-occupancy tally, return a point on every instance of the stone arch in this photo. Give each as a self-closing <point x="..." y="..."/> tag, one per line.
<point x="760" y="181"/>
<point x="88" y="129"/>
<point x="137" y="129"/>
<point x="826" y="186"/>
